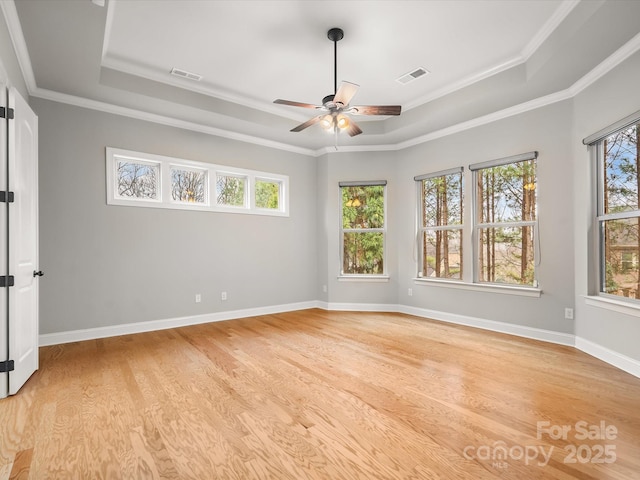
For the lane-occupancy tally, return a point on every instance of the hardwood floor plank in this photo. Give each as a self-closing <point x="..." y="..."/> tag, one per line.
<point x="21" y="465"/>
<point x="321" y="395"/>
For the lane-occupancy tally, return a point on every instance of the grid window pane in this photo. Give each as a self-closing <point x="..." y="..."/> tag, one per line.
<point x="230" y="190"/>
<point x="507" y="193"/>
<point x="441" y="204"/>
<point x="621" y="171"/>
<point x="621" y="254"/>
<point x="506" y="255"/>
<point x="188" y="185"/>
<point x="442" y="200"/>
<point x="363" y="253"/>
<point x="267" y="194"/>
<point x="442" y="254"/>
<point x="363" y="206"/>
<point x="137" y="180"/>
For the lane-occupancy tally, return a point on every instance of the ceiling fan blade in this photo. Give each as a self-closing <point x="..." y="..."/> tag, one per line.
<point x="353" y="129"/>
<point x="376" y="110"/>
<point x="308" y="123"/>
<point x="345" y="93"/>
<point x="295" y="104"/>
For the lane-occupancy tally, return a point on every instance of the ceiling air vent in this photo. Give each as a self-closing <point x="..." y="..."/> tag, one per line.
<point x="411" y="76"/>
<point x="184" y="74"/>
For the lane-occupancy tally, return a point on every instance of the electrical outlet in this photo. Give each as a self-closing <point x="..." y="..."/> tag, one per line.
<point x="410" y="292"/>
<point x="223" y="296"/>
<point x="568" y="313"/>
<point x="324" y="288"/>
<point x="198" y="298"/>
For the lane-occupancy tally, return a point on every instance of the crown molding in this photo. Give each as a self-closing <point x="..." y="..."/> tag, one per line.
<point x="548" y="28"/>
<point x="608" y="64"/>
<point x="632" y="46"/>
<point x="164" y="120"/>
<point x="10" y="13"/>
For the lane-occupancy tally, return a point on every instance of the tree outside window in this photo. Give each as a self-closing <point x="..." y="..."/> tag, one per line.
<point x="441" y="204"/>
<point x="363" y="224"/>
<point x="619" y="213"/>
<point x="188" y="185"/>
<point x="505" y="222"/>
<point x="267" y="194"/>
<point x="137" y="180"/>
<point x="230" y="190"/>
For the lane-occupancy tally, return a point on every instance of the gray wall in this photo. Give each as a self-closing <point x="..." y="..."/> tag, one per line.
<point x="613" y="97"/>
<point x="9" y="67"/>
<point x="337" y="167"/>
<point x="109" y="265"/>
<point x="546" y="130"/>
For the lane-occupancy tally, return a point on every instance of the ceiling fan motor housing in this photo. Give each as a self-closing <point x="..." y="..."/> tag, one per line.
<point x="335" y="34"/>
<point x="328" y="99"/>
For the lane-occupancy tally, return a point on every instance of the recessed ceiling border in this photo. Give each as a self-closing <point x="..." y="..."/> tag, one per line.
<point x="17" y="37"/>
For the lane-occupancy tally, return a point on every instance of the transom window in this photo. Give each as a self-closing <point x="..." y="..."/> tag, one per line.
<point x="147" y="180"/>
<point x="362" y="233"/>
<point x="505" y="220"/>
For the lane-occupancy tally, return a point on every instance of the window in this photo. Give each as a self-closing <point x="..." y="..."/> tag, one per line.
<point x="363" y="227"/>
<point x="137" y="179"/>
<point x="268" y="194"/>
<point x="505" y="220"/>
<point x="146" y="180"/>
<point x="188" y="185"/>
<point x="230" y="190"/>
<point x="440" y="224"/>
<point x="619" y="212"/>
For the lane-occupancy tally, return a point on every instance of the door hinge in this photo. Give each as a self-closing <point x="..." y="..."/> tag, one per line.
<point x="7" y="281"/>
<point x="7" y="366"/>
<point x="6" y="113"/>
<point x="6" y="197"/>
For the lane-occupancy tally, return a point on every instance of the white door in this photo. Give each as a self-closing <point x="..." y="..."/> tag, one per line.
<point x="23" y="241"/>
<point x="4" y="352"/>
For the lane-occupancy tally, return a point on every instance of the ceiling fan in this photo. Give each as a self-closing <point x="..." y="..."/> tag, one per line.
<point x="335" y="107"/>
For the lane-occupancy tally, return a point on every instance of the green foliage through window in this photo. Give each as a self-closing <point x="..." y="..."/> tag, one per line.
<point x="363" y="217"/>
<point x="267" y="194"/>
<point x="230" y="190"/>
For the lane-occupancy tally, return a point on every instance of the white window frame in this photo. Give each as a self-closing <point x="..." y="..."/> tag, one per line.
<point x="360" y="276"/>
<point x="422" y="229"/>
<point x="164" y="198"/>
<point x="478" y="226"/>
<point x="595" y="143"/>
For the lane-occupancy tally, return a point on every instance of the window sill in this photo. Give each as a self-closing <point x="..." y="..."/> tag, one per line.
<point x="363" y="278"/>
<point x="620" y="306"/>
<point x="481" y="287"/>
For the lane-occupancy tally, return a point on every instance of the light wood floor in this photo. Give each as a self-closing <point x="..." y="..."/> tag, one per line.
<point x="320" y="395"/>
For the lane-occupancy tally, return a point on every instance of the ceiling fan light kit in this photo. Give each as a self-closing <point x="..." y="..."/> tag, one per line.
<point x="335" y="106"/>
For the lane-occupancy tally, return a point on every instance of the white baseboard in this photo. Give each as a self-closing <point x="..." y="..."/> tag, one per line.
<point x="495" y="326"/>
<point x="153" y="325"/>
<point x="611" y="357"/>
<point x="361" y="307"/>
<point x="628" y="364"/>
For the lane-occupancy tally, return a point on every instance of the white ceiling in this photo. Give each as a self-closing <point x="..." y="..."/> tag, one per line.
<point x="253" y="52"/>
<point x="482" y="55"/>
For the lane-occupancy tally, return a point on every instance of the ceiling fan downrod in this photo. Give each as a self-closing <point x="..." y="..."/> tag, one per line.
<point x="335" y="35"/>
